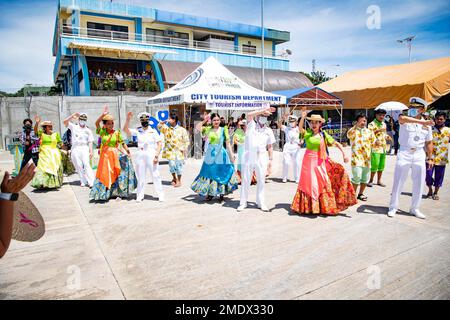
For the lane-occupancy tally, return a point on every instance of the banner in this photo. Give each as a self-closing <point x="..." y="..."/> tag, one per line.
<point x="244" y="106"/>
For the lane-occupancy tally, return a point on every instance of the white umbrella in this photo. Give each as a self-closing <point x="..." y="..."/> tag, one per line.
<point x="392" y="106"/>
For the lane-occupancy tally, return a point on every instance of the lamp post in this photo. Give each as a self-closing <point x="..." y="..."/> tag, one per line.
<point x="408" y="42"/>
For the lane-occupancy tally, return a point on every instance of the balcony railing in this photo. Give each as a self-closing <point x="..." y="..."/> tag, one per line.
<point x="129" y="84"/>
<point x="90" y="33"/>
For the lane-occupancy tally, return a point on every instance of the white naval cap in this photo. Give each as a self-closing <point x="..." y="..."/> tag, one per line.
<point x="418" y="102"/>
<point x="144" y="115"/>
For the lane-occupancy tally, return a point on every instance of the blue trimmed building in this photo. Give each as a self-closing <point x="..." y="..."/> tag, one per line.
<point x="101" y="45"/>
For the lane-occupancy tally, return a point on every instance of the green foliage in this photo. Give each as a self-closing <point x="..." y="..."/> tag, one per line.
<point x="316" y="77"/>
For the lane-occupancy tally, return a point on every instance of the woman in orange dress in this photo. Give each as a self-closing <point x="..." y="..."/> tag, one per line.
<point x="115" y="174"/>
<point x="324" y="187"/>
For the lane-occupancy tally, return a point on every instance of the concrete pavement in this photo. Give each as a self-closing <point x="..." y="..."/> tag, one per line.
<point x="187" y="249"/>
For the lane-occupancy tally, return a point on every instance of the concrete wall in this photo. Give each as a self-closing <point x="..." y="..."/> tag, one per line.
<point x="56" y="109"/>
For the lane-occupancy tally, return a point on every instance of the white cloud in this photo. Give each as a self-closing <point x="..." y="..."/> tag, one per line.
<point x="331" y="32"/>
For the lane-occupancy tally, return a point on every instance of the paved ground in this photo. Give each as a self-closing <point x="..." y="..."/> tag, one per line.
<point x="185" y="249"/>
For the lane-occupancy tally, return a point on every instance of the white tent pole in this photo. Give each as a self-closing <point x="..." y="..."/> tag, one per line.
<point x="262" y="45"/>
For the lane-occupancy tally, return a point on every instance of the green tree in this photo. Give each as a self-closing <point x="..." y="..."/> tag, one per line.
<point x="316" y="77"/>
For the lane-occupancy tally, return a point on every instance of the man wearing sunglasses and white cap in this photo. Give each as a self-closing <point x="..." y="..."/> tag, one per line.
<point x="147" y="157"/>
<point x="416" y="149"/>
<point x="81" y="152"/>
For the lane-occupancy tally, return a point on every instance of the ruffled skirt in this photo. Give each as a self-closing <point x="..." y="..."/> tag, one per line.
<point x="338" y="194"/>
<point x="125" y="184"/>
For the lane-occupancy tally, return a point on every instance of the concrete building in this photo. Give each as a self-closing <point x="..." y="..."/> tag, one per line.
<point x="107" y="46"/>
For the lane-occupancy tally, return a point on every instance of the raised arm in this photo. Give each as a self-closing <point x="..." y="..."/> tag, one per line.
<point x="37" y="120"/>
<point x="302" y="120"/>
<point x="104" y="113"/>
<point x="200" y="125"/>
<point x="405" y="119"/>
<point x="73" y="116"/>
<point x="282" y="121"/>
<point x="264" y="112"/>
<point x="126" y="127"/>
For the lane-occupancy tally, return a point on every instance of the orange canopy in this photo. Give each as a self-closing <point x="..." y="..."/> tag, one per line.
<point x="366" y="89"/>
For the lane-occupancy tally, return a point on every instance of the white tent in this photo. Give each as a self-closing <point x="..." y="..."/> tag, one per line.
<point x="217" y="87"/>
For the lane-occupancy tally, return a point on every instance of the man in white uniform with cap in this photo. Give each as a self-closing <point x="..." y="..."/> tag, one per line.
<point x="416" y="149"/>
<point x="291" y="149"/>
<point x="81" y="152"/>
<point x="147" y="157"/>
<point x="258" y="156"/>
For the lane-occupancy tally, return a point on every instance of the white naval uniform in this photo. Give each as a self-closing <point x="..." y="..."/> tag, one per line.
<point x="147" y="141"/>
<point x="255" y="158"/>
<point x="291" y="152"/>
<point x="412" y="138"/>
<point x="79" y="153"/>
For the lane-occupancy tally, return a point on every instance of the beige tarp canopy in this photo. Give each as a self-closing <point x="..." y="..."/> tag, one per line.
<point x="366" y="89"/>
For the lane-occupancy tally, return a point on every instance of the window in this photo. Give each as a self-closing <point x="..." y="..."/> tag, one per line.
<point x="167" y="37"/>
<point x="247" y="48"/>
<point x="107" y="31"/>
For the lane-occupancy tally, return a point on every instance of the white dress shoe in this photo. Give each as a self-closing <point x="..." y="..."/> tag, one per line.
<point x="263" y="207"/>
<point x="161" y="199"/>
<point x="392" y="213"/>
<point x="284" y="180"/>
<point x="418" y="214"/>
<point x="241" y="208"/>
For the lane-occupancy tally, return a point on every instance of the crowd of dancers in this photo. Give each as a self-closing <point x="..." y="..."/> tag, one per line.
<point x="324" y="187"/>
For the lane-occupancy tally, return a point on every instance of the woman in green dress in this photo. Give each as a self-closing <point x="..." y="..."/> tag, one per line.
<point x="49" y="173"/>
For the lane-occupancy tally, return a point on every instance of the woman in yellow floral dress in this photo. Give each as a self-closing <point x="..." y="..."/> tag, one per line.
<point x="49" y="174"/>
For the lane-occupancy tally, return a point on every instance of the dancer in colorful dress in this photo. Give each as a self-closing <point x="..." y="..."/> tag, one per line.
<point x="176" y="145"/>
<point x="441" y="144"/>
<point x="378" y="155"/>
<point x="30" y="143"/>
<point x="362" y="139"/>
<point x="258" y="156"/>
<point x="291" y="148"/>
<point x="81" y="150"/>
<point x="324" y="187"/>
<point x="115" y="174"/>
<point x="49" y="173"/>
<point x="216" y="177"/>
<point x="147" y="157"/>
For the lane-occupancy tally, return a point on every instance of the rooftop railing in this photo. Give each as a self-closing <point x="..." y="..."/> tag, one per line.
<point x="90" y="33"/>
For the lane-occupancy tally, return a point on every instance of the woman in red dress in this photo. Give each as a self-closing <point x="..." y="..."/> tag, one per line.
<point x="324" y="187"/>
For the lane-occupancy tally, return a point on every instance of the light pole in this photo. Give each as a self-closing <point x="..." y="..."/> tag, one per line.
<point x="262" y="45"/>
<point x="408" y="42"/>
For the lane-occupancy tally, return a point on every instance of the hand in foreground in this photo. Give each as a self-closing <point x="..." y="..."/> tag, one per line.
<point x="14" y="185"/>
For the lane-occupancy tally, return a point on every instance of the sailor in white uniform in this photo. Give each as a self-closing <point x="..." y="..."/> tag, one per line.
<point x="416" y="149"/>
<point x="81" y="151"/>
<point x="291" y="149"/>
<point x="147" y="157"/>
<point x="258" y="156"/>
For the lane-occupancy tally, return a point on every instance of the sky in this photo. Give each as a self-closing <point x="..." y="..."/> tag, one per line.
<point x="341" y="36"/>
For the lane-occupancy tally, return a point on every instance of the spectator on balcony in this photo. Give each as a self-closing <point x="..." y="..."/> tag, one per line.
<point x="120" y="81"/>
